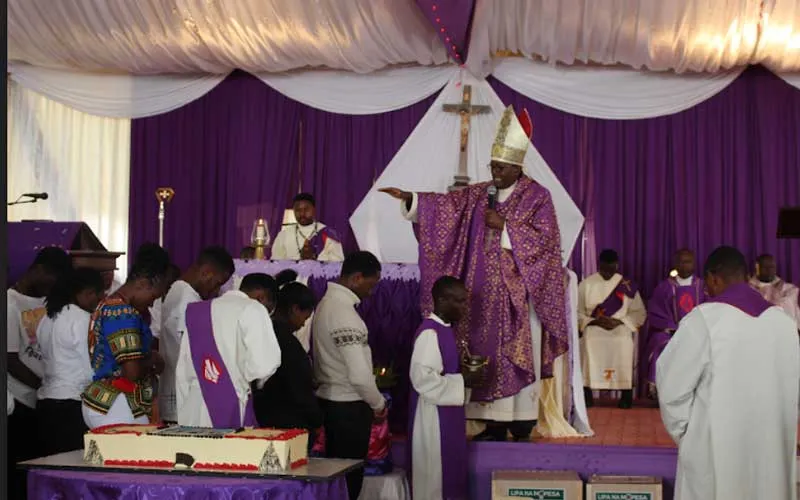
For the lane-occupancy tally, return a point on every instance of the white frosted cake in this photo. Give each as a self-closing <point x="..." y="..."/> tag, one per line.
<point x="262" y="450"/>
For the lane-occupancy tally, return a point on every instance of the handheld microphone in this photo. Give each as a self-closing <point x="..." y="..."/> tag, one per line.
<point x="491" y="191"/>
<point x="36" y="196"/>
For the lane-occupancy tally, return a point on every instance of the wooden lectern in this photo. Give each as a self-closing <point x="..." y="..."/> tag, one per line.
<point x="26" y="238"/>
<point x="789" y="222"/>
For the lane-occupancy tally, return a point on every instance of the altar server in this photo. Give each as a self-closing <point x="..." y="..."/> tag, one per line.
<point x="202" y="281"/>
<point x="229" y="343"/>
<point x="728" y="386"/>
<point x="438" y="421"/>
<point x="308" y="239"/>
<point x="610" y="313"/>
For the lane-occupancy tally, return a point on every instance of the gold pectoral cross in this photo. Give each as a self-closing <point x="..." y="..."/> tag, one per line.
<point x="465" y="109"/>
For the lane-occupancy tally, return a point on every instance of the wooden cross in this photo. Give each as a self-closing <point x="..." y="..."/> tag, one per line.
<point x="465" y="109"/>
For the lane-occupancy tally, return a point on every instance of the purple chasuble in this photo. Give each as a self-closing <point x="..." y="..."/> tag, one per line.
<point x="743" y="297"/>
<point x="614" y="301"/>
<point x="454" y="240"/>
<point x="215" y="382"/>
<point x="668" y="306"/>
<point x="320" y="238"/>
<point x="452" y="419"/>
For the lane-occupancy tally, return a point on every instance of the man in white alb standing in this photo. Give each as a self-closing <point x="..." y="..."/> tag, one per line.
<point x="728" y="385"/>
<point x="202" y="281"/>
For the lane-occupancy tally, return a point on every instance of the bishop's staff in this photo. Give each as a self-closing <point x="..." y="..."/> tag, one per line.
<point x="164" y="195"/>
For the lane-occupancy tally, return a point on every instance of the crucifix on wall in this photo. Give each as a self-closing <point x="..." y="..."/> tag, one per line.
<point x="465" y="109"/>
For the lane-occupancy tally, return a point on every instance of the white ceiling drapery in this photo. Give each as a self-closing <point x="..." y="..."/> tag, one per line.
<point x="212" y="36"/>
<point x="216" y="36"/>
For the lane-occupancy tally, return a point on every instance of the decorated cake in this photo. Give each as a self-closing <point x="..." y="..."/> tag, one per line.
<point x="199" y="448"/>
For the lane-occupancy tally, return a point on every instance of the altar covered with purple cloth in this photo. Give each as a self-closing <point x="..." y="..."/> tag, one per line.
<point x="51" y="484"/>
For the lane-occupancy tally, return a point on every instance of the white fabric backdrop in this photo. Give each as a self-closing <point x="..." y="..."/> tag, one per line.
<point x="81" y="161"/>
<point x="206" y="36"/>
<point x="792" y="79"/>
<point x="115" y="95"/>
<point x="612" y="92"/>
<point x="428" y="160"/>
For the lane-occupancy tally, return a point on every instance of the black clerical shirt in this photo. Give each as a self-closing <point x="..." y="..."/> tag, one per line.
<point x="287" y="400"/>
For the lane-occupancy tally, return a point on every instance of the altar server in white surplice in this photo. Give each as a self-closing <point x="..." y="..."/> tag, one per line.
<point x="229" y="344"/>
<point x="610" y="313"/>
<point x="728" y="385"/>
<point x="438" y="396"/>
<point x="308" y="239"/>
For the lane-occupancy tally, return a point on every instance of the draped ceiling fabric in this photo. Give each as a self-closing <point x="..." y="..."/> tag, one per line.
<point x="216" y="36"/>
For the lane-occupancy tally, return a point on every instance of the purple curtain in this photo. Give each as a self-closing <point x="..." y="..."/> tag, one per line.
<point x="239" y="153"/>
<point x="343" y="155"/>
<point x="711" y="175"/>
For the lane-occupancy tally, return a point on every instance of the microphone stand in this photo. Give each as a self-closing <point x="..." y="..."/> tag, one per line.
<point x="20" y="201"/>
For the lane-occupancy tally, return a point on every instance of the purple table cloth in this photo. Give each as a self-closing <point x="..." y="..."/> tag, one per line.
<point x="71" y="484"/>
<point x="392" y="315"/>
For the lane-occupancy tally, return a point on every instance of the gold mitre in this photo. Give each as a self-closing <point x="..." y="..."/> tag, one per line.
<point x="512" y="138"/>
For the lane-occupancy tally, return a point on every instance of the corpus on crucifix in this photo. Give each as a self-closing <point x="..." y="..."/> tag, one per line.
<point x="465" y="109"/>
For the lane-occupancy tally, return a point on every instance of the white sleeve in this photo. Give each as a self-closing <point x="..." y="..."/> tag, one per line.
<point x="411" y="213"/>
<point x="679" y="370"/>
<point x="184" y="376"/>
<point x="584" y="316"/>
<point x="352" y="344"/>
<point x="278" y="250"/>
<point x="333" y="252"/>
<point x="9" y="402"/>
<point x="426" y="373"/>
<point x="155" y="318"/>
<point x="636" y="313"/>
<point x="78" y="334"/>
<point x="13" y="326"/>
<point x="505" y="240"/>
<point x="262" y="354"/>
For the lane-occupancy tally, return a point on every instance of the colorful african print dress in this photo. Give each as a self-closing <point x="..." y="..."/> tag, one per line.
<point x="118" y="333"/>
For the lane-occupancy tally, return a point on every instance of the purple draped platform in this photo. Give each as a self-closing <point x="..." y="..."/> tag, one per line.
<point x="56" y="484"/>
<point x="586" y="460"/>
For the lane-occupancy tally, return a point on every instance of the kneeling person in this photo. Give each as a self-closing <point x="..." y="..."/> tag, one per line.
<point x="438" y="421"/>
<point x="229" y="343"/>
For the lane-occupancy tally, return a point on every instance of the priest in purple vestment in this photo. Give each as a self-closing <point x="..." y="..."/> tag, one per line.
<point x="502" y="238"/>
<point x="672" y="299"/>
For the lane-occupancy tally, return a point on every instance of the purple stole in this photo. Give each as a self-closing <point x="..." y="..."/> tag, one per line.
<point x="452" y="419"/>
<point x="743" y="297"/>
<point x="318" y="241"/>
<point x="215" y="382"/>
<point x="614" y="301"/>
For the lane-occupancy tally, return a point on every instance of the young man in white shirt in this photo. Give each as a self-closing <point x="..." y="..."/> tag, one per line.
<point x="229" y="344"/>
<point x="349" y="396"/>
<point x="728" y="385"/>
<point x="25" y="369"/>
<point x="202" y="281"/>
<point x="308" y="239"/>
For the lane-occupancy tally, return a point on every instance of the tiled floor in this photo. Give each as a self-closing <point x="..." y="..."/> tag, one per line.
<point x="615" y="427"/>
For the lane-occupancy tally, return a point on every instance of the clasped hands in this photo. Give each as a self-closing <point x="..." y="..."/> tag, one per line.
<point x="606" y="323"/>
<point x="492" y="218"/>
<point x="307" y="253"/>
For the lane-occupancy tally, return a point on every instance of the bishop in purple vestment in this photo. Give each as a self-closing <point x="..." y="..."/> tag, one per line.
<point x="502" y="239"/>
<point x="672" y="299"/>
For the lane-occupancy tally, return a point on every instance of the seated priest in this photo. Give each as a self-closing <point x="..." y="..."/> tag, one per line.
<point x="437" y="416"/>
<point x="774" y="289"/>
<point x="229" y="344"/>
<point x="610" y="313"/>
<point x="308" y="239"/>
<point x="120" y="346"/>
<point x="287" y="399"/>
<point x="672" y="299"/>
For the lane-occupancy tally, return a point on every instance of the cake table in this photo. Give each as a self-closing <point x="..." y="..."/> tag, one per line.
<point x="66" y="475"/>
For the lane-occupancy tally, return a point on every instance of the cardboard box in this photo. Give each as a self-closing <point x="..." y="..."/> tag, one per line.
<point x="623" y="488"/>
<point x="538" y="485"/>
